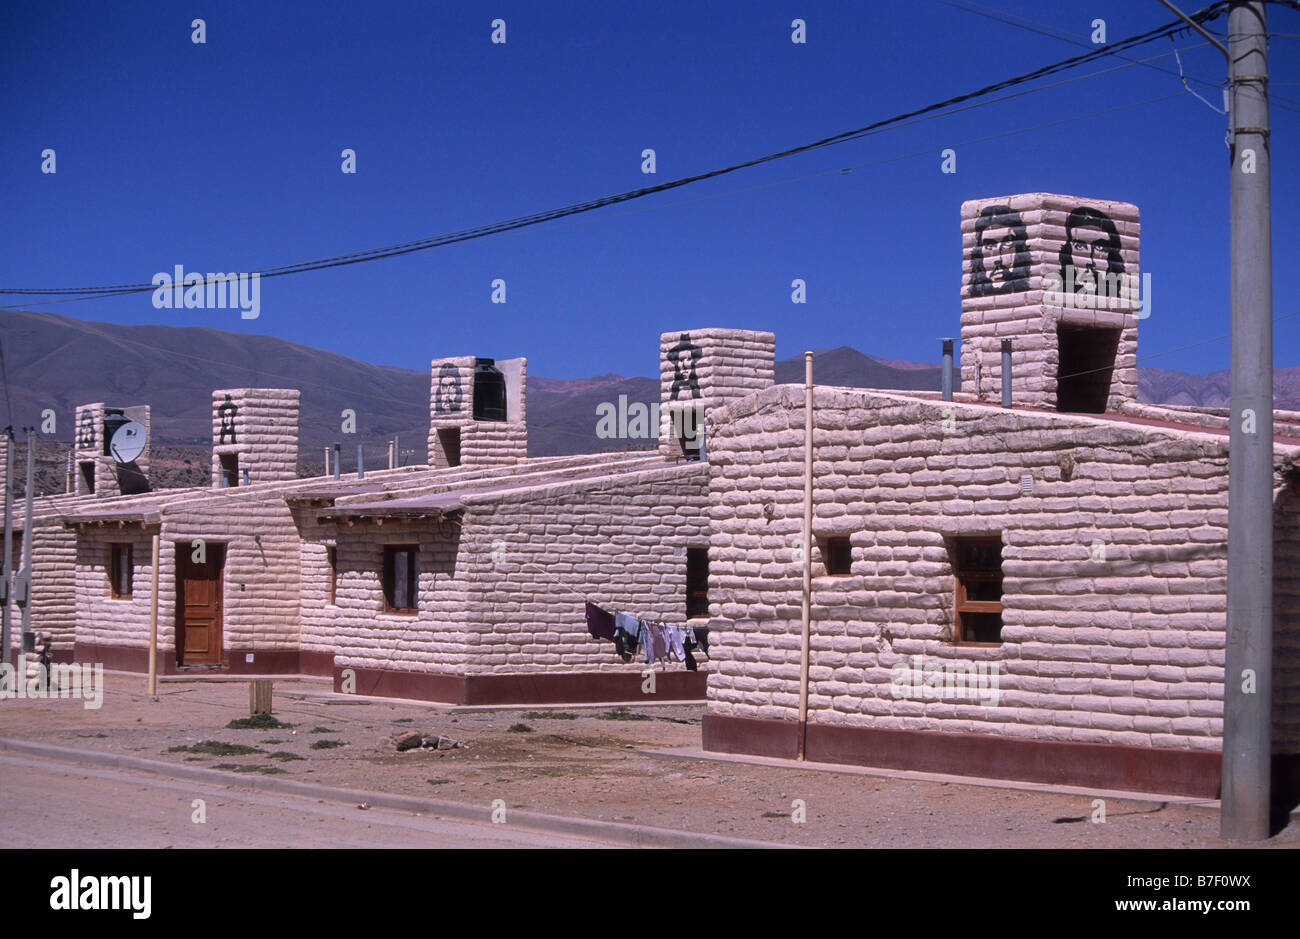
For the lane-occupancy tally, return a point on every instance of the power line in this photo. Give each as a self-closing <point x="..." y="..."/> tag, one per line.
<point x="909" y="123"/>
<point x="1209" y="13"/>
<point x="1052" y="32"/>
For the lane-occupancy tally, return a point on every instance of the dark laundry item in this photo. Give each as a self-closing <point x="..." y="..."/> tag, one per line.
<point x="621" y="646"/>
<point x="600" y="623"/>
<point x="702" y="638"/>
<point x="691" y="664"/>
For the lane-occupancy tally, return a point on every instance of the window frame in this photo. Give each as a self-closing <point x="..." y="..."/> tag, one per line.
<point x="228" y="464"/>
<point x="115" y="570"/>
<point x="962" y="577"/>
<point x="412" y="578"/>
<point x="332" y="562"/>
<point x="694" y="592"/>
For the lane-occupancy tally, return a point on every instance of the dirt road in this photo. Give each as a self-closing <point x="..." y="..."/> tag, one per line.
<point x="591" y="763"/>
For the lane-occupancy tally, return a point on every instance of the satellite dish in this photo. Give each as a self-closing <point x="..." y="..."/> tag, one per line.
<point x="128" y="442"/>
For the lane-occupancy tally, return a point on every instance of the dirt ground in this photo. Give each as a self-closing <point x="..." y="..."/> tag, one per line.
<point x="590" y="763"/>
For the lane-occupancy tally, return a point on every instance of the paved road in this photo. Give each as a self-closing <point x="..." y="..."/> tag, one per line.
<point x="53" y="805"/>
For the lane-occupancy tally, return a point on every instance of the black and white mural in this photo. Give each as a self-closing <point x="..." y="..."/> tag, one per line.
<point x="86" y="430"/>
<point x="448" y="397"/>
<point x="999" y="262"/>
<point x="684" y="357"/>
<point x="226" y="413"/>
<point x="1091" y="261"/>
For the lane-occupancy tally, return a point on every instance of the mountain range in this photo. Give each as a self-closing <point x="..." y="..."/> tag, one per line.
<point x="57" y="362"/>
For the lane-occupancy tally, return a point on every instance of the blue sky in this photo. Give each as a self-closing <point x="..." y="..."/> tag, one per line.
<point x="226" y="157"/>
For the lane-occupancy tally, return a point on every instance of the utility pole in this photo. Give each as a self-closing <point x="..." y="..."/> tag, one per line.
<point x="25" y="571"/>
<point x="8" y="584"/>
<point x="1248" y="663"/>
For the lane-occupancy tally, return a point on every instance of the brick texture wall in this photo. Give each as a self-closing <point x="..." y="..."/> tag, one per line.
<point x="1123" y="647"/>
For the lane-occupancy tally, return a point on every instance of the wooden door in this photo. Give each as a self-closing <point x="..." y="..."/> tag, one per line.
<point x="198" y="605"/>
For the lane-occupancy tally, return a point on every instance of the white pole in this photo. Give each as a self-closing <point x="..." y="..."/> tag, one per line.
<point x="153" y="626"/>
<point x="807" y="550"/>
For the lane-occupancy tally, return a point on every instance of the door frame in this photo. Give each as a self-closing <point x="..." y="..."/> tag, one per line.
<point x="183" y="550"/>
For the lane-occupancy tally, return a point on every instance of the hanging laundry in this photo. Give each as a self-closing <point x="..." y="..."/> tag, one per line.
<point x="691" y="664"/>
<point x="627" y="634"/>
<point x="702" y="638"/>
<point x="629" y="626"/>
<point x="600" y="623"/>
<point x="656" y="641"/>
<point x="676" y="637"/>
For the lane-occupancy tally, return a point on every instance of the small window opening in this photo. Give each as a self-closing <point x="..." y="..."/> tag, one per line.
<point x="87" y="475"/>
<point x="688" y="427"/>
<point x="977" y="569"/>
<point x="401" y="577"/>
<point x="1086" y="363"/>
<point x="121" y="572"/>
<point x="229" y="470"/>
<point x="449" y="440"/>
<point x="837" y="555"/>
<point x="332" y="558"/>
<point x="697" y="582"/>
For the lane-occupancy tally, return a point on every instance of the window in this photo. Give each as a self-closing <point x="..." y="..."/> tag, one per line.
<point x="120" y="571"/>
<point x="449" y="440"/>
<point x="977" y="566"/>
<point x="1086" y="361"/>
<point x="401" y="577"/>
<point x="697" y="582"/>
<point x="332" y="557"/>
<point x="229" y="470"/>
<point x="688" y="423"/>
<point x="87" y="475"/>
<point x="837" y="556"/>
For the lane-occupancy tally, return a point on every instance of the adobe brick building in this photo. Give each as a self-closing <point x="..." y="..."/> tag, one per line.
<point x="464" y="580"/>
<point x="1072" y="545"/>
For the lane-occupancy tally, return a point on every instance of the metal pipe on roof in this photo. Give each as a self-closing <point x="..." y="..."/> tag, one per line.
<point x="947" y="369"/>
<point x="361" y="466"/>
<point x="338" y="461"/>
<point x="1006" y="373"/>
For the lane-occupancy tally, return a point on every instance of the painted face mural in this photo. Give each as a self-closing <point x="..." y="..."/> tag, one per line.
<point x="683" y="356"/>
<point x="999" y="262"/>
<point x="1090" y="258"/>
<point x="86" y="430"/>
<point x="447" y="398"/>
<point x="227" y="412"/>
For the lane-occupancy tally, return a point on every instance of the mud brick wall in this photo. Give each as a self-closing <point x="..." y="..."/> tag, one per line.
<point x="102" y="620"/>
<point x="1022" y="309"/>
<point x="265" y="433"/>
<point x="533" y="558"/>
<point x="261" y="574"/>
<point x="316" y="614"/>
<point x="54" y="599"/>
<point x="1125" y="650"/>
<point x="451" y="406"/>
<point x="709" y="367"/>
<point x="431" y="640"/>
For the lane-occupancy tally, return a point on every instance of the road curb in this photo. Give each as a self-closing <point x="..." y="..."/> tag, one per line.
<point x="632" y="836"/>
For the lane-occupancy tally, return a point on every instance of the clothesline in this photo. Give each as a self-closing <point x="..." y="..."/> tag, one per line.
<point x="660" y="642"/>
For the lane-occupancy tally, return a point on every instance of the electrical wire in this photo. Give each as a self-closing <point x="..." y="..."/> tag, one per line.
<point x="1209" y="13"/>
